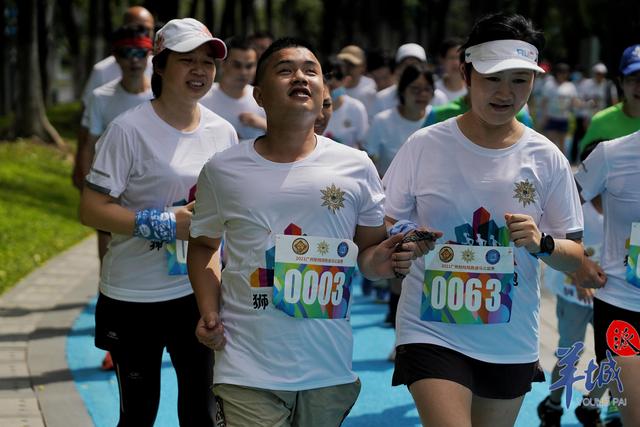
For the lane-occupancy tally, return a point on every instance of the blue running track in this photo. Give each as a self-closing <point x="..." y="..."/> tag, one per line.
<point x="379" y="404"/>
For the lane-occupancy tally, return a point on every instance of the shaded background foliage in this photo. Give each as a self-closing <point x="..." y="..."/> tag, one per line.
<point x="72" y="34"/>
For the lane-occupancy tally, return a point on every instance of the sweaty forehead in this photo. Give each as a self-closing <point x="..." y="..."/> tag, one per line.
<point x="293" y="54"/>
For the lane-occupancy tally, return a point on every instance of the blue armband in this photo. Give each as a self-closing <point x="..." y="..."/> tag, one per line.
<point x="155" y="225"/>
<point x="403" y="226"/>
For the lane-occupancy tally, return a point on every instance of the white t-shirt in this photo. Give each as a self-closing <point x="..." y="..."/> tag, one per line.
<point x="442" y="180"/>
<point x="251" y="199"/>
<point x="364" y="91"/>
<point x="230" y="109"/>
<point x="388" y="131"/>
<point x="594" y="96"/>
<point x="558" y="282"/>
<point x="451" y="95"/>
<point x="107" y="102"/>
<point x="349" y="123"/>
<point x="559" y="98"/>
<point x="388" y="98"/>
<point x="146" y="163"/>
<point x="103" y="72"/>
<point x="612" y="170"/>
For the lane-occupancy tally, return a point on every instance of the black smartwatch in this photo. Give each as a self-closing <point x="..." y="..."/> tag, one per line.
<point x="547" y="245"/>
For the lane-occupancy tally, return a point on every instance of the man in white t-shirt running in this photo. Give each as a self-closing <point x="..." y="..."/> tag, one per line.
<point x="289" y="206"/>
<point x="103" y="72"/>
<point x="232" y="97"/>
<point x="356" y="84"/>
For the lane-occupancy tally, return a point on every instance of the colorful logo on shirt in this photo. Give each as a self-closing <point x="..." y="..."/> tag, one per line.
<point x="446" y="254"/>
<point x="492" y="257"/>
<point x="525" y="192"/>
<point x="333" y="198"/>
<point x="263" y="277"/>
<point x="300" y="246"/>
<point x="343" y="249"/>
<point x="483" y="232"/>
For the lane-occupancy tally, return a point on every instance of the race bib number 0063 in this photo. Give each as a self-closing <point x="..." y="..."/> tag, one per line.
<point x="468" y="284"/>
<point x="312" y="277"/>
<point x="633" y="266"/>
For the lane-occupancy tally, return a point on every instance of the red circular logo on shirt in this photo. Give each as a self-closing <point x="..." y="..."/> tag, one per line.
<point x="623" y="339"/>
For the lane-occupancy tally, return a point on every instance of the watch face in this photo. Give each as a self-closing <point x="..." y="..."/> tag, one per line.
<point x="548" y="244"/>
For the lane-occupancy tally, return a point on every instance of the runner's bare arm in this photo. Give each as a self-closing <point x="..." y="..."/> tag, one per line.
<point x="204" y="273"/>
<point x="103" y="212"/>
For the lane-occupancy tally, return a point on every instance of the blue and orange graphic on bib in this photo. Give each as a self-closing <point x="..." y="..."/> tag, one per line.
<point x="470" y="281"/>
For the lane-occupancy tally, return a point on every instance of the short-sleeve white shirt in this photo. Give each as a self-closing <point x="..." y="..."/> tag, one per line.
<point x="388" y="131"/>
<point x="105" y="71"/>
<point x="109" y="101"/>
<point x="251" y="199"/>
<point x="388" y="98"/>
<point x="349" y="123"/>
<point x="230" y="109"/>
<point x="442" y="180"/>
<point x="145" y="163"/>
<point x="612" y="171"/>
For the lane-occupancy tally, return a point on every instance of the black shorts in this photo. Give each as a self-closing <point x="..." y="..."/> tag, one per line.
<point x="603" y="314"/>
<point x="416" y="362"/>
<point x="124" y="324"/>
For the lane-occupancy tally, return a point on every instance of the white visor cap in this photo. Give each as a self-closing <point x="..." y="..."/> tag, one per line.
<point x="500" y="55"/>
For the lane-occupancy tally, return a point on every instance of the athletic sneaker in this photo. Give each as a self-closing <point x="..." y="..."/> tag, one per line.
<point x="549" y="413"/>
<point x="589" y="416"/>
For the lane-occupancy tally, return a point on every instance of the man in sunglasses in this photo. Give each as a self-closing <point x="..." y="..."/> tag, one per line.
<point x="131" y="47"/>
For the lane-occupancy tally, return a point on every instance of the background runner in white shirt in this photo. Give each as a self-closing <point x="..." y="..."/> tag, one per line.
<point x="611" y="170"/>
<point x="232" y="97"/>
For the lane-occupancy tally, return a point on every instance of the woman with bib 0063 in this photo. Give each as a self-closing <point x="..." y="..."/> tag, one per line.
<point x="504" y="198"/>
<point x="140" y="188"/>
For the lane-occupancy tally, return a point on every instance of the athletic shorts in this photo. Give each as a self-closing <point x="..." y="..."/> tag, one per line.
<point x="605" y="313"/>
<point x="416" y="362"/>
<point x="124" y="324"/>
<point x="572" y="321"/>
<point x="559" y="125"/>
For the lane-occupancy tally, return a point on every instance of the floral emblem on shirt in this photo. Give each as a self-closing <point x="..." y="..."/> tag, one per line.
<point x="468" y="255"/>
<point x="323" y="248"/>
<point x="333" y="197"/>
<point x="525" y="192"/>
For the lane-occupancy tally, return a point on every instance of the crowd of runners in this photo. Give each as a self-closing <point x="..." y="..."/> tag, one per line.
<point x="235" y="208"/>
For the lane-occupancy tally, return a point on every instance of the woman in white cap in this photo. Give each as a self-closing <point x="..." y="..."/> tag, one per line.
<point x="140" y="188"/>
<point x="467" y="322"/>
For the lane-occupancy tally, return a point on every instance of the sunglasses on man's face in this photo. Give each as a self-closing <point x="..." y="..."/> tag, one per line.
<point x="132" y="52"/>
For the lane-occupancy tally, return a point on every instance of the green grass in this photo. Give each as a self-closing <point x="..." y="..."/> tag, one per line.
<point x="38" y="203"/>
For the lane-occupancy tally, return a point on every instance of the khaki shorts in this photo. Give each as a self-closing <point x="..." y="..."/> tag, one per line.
<point x="320" y="407"/>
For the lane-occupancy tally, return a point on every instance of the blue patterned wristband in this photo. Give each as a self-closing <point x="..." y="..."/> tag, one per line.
<point x="155" y="225"/>
<point x="403" y="226"/>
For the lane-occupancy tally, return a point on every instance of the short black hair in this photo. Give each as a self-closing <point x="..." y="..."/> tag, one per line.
<point x="502" y="26"/>
<point x="448" y="44"/>
<point x="378" y="59"/>
<point x="333" y="68"/>
<point x="260" y="34"/>
<point x="237" y="42"/>
<point x="282" y="43"/>
<point x="589" y="148"/>
<point x="410" y="74"/>
<point x="159" y="62"/>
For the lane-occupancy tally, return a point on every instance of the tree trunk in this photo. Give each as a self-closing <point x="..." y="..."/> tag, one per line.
<point x="5" y="75"/>
<point x="269" y="13"/>
<point x="228" y="25"/>
<point x="96" y="48"/>
<point x="67" y="17"/>
<point x="209" y="16"/>
<point x="31" y="120"/>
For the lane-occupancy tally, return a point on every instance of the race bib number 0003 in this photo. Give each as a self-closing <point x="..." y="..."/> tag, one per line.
<point x="312" y="277"/>
<point x="633" y="266"/>
<point x="468" y="284"/>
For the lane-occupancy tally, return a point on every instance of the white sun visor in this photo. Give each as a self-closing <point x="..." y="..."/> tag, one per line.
<point x="500" y="55"/>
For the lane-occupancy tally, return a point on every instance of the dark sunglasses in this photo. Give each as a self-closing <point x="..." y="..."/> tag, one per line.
<point x="132" y="52"/>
